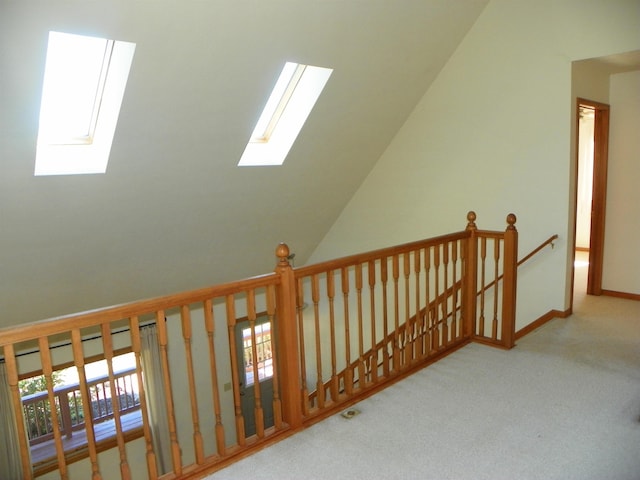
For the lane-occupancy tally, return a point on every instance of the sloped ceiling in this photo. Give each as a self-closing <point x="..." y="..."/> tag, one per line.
<point x="174" y="212"/>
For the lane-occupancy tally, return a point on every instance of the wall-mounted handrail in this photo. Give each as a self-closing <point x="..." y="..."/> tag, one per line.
<point x="548" y="241"/>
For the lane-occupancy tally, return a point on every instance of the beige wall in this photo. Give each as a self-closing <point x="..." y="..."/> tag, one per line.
<point x="493" y="134"/>
<point x="621" y="269"/>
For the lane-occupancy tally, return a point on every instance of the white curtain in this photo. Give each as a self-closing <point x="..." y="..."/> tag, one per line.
<point x="10" y="464"/>
<point x="154" y="392"/>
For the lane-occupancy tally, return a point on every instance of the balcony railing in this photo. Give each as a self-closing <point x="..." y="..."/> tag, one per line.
<point x="69" y="407"/>
<point x="341" y="330"/>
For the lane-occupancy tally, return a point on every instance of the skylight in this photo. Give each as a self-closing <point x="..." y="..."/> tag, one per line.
<point x="288" y="107"/>
<point x="84" y="83"/>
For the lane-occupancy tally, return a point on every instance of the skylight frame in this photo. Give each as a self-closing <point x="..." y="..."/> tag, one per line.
<point x="63" y="154"/>
<point x="278" y="101"/>
<point x="290" y="103"/>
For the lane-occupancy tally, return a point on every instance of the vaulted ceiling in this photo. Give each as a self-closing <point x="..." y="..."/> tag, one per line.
<point x="174" y="211"/>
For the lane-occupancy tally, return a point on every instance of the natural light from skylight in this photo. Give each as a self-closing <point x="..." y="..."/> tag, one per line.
<point x="83" y="87"/>
<point x="284" y="114"/>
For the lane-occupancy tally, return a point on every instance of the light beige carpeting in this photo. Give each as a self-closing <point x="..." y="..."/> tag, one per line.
<point x="564" y="404"/>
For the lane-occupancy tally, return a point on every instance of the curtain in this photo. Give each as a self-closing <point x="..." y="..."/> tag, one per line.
<point x="154" y="392"/>
<point x="10" y="464"/>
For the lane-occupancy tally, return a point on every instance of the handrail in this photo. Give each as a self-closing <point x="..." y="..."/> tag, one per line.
<point x="352" y="260"/>
<point x="548" y="241"/>
<point x="89" y="318"/>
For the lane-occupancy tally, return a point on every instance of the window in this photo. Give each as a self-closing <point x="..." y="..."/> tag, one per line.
<point x="288" y="107"/>
<point x="84" y="83"/>
<point x="262" y="334"/>
<point x="71" y="412"/>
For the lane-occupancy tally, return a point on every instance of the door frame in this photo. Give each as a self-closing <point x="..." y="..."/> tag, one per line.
<point x="599" y="192"/>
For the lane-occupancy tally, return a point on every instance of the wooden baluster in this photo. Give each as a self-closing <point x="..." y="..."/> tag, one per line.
<point x="470" y="278"/>
<point x="496" y="274"/>
<point x="209" y="324"/>
<point x="16" y="400"/>
<point x="47" y="370"/>
<point x="408" y="323"/>
<point x="483" y="283"/>
<point x="163" y="340"/>
<point x="257" y="393"/>
<point x="427" y="288"/>
<point x="361" y="370"/>
<point x="331" y="292"/>
<point x="300" y="306"/>
<point x="373" y="368"/>
<point x="315" y="296"/>
<point x="277" y="403"/>
<point x="395" y="264"/>
<point x="385" y="320"/>
<point x="419" y="317"/>
<point x="445" y="299"/>
<point x="348" y="372"/>
<point x="78" y="357"/>
<point x="509" y="282"/>
<point x="107" y="344"/>
<point x="185" y="317"/>
<point x="454" y="293"/>
<point x="435" y="332"/>
<point x="150" y="455"/>
<point x="231" y="324"/>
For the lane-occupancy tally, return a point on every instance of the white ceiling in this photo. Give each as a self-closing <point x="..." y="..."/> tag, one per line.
<point x="173" y="211"/>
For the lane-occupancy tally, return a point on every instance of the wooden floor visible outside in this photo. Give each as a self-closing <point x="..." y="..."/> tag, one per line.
<point x="43" y="455"/>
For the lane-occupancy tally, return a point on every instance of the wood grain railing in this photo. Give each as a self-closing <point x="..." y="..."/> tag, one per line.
<point x="486" y="289"/>
<point x="341" y="330"/>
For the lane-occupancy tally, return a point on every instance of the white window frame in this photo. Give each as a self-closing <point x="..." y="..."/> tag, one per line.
<point x="289" y="105"/>
<point x="88" y="154"/>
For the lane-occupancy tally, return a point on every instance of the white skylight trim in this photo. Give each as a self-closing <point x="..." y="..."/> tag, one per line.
<point x="288" y="107"/>
<point x="84" y="83"/>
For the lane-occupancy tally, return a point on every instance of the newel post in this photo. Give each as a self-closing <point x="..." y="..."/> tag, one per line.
<point x="470" y="277"/>
<point x="287" y="340"/>
<point x="509" y="283"/>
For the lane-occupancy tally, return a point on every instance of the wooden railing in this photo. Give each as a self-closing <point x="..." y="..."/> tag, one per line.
<point x="70" y="409"/>
<point x="341" y="330"/>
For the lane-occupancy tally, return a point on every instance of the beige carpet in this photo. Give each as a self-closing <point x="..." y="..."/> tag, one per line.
<point x="564" y="404"/>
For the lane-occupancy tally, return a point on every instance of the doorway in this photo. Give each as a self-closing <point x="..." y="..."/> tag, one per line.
<point x="592" y="138"/>
<point x="255" y="364"/>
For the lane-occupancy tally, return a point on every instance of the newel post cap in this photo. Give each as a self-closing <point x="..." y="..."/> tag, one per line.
<point x="511" y="221"/>
<point x="282" y="252"/>
<point x="471" y="220"/>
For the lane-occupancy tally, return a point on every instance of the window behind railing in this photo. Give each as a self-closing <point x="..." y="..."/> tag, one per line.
<point x="69" y="409"/>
